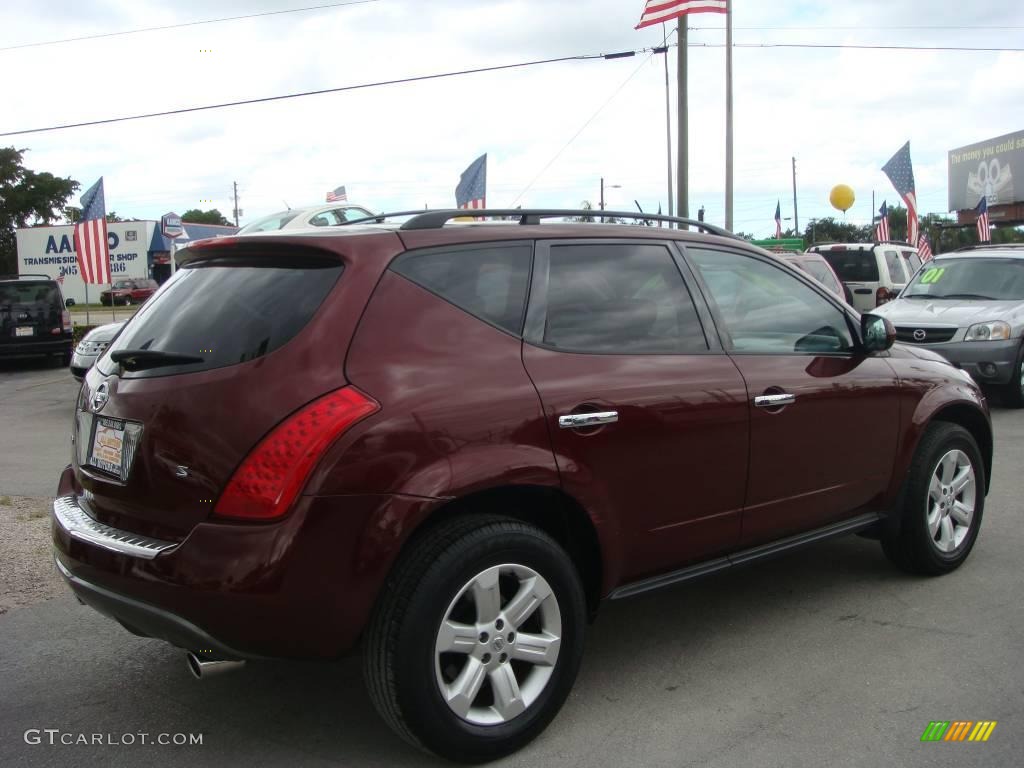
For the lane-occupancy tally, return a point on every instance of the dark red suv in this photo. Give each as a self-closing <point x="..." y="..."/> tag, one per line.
<point x="127" y="291"/>
<point x="446" y="443"/>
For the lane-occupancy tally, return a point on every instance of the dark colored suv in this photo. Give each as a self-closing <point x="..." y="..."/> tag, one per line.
<point x="33" y="318"/>
<point x="127" y="291"/>
<point x="447" y="443"/>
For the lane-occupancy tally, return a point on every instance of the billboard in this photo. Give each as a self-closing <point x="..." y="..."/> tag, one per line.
<point x="994" y="168"/>
<point x="51" y="251"/>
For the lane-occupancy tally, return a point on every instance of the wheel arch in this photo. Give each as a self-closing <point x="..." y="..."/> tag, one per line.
<point x="974" y="421"/>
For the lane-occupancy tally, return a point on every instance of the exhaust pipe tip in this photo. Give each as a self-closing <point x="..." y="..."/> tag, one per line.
<point x="201" y="668"/>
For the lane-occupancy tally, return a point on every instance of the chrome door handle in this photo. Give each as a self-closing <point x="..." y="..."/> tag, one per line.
<point x="774" y="401"/>
<point x="577" y="420"/>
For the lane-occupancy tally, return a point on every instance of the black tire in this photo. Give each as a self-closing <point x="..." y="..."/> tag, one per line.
<point x="66" y="359"/>
<point x="127" y="301"/>
<point x="399" y="652"/>
<point x="906" y="539"/>
<point x="1013" y="392"/>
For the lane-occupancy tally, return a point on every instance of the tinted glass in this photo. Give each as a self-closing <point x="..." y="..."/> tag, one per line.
<point x="227" y="312"/>
<point x="622" y="299"/>
<point x="822" y="274"/>
<point x="22" y="294"/>
<point x="970" y="278"/>
<point x="853" y="266"/>
<point x="913" y="262"/>
<point x="325" y="219"/>
<point x="766" y="310"/>
<point x="351" y="214"/>
<point x="488" y="282"/>
<point x="892" y="261"/>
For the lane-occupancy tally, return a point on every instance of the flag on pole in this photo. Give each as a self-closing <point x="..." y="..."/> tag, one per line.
<point x="984" y="233"/>
<point x="900" y="171"/>
<point x="337" y="195"/>
<point x="882" y="229"/>
<point x="778" y="220"/>
<point x="472" y="189"/>
<point x="91" y="237"/>
<point x="659" y="11"/>
<point x="924" y="248"/>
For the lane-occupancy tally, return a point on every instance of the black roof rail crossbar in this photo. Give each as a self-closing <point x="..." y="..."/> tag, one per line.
<point x="437" y="219"/>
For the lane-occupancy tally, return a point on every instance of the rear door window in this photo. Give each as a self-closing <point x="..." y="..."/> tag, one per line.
<point x="822" y="274"/>
<point x="619" y="298"/>
<point x="488" y="282"/>
<point x="853" y="266"/>
<point x="895" y="265"/>
<point x="227" y="311"/>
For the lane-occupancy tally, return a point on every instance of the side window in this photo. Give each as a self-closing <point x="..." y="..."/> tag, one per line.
<point x="913" y="262"/>
<point x="488" y="282"/>
<point x="325" y="219"/>
<point x="619" y="299"/>
<point x="892" y="261"/>
<point x="765" y="310"/>
<point x="351" y="214"/>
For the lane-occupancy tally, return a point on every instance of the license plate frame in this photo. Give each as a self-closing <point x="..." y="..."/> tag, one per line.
<point x="109" y="436"/>
<point x="22" y="331"/>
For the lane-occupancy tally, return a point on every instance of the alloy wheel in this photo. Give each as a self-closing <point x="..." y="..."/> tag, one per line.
<point x="498" y="644"/>
<point x="952" y="494"/>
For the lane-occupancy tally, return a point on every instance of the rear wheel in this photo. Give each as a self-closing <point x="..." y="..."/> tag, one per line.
<point x="477" y="638"/>
<point x="1013" y="392"/>
<point x="943" y="503"/>
<point x="127" y="301"/>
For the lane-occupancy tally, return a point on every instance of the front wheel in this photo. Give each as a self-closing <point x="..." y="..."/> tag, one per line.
<point x="943" y="503"/>
<point x="127" y="301"/>
<point x="477" y="638"/>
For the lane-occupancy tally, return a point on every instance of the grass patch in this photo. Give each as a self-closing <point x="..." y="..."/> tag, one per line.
<point x="5" y="501"/>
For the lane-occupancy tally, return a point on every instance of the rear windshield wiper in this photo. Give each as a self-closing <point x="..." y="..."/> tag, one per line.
<point x="137" y="359"/>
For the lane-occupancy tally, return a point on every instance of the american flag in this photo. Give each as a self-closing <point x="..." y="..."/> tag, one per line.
<point x="924" y="248"/>
<point x="658" y="11"/>
<point x="900" y="171"/>
<point x="472" y="189"/>
<point x="882" y="229"/>
<point x="337" y="195"/>
<point x="91" y="237"/>
<point x="984" y="233"/>
<point x="778" y="220"/>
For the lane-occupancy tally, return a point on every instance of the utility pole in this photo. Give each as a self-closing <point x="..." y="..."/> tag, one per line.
<point x="796" y="215"/>
<point x="668" y="120"/>
<point x="683" y="182"/>
<point x="236" y="203"/>
<point x="601" y="203"/>
<point x="728" y="117"/>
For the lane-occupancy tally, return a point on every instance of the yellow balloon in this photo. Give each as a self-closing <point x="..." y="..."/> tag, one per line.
<point x="842" y="197"/>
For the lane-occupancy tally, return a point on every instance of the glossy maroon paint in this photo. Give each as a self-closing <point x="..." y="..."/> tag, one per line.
<point x="690" y="471"/>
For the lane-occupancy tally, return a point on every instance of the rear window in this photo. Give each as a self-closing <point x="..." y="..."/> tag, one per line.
<point x="821" y="273"/>
<point x="853" y="266"/>
<point x="896" y="274"/>
<point x="486" y="281"/>
<point x="226" y="311"/>
<point x="29" y="294"/>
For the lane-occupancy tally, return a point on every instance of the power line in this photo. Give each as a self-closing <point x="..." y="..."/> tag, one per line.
<point x="419" y="78"/>
<point x="185" y="24"/>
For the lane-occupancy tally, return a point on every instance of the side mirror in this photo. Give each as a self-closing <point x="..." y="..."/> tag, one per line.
<point x="877" y="332"/>
<point x="68" y="303"/>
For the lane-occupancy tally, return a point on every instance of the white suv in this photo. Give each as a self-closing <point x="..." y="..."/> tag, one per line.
<point x="874" y="272"/>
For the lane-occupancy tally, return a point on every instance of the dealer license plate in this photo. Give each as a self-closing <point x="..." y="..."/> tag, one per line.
<point x="108" y="445"/>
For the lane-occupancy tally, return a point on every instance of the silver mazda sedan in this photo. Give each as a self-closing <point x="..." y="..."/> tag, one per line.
<point x="968" y="305"/>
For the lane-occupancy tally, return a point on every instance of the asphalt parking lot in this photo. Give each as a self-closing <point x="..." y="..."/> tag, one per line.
<point x="827" y="657"/>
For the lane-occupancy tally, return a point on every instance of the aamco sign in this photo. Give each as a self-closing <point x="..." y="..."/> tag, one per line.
<point x="170" y="226"/>
<point x="51" y="251"/>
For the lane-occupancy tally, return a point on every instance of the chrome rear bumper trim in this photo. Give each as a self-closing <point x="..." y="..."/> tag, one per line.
<point x="79" y="525"/>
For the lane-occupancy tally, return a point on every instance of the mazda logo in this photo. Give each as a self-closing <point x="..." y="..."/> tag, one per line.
<point x="100" y="397"/>
<point x="920" y="335"/>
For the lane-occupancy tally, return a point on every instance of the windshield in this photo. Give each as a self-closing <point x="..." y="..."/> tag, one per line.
<point x="122" y="284"/>
<point x="970" y="278"/>
<point x="271" y="223"/>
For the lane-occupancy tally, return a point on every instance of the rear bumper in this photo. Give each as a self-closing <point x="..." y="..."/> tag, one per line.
<point x="51" y="346"/>
<point x="300" y="588"/>
<point x="988" y="362"/>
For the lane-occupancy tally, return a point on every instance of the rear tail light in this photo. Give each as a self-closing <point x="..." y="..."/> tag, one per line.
<point x="65" y="317"/>
<point x="272" y="475"/>
<point x="882" y="295"/>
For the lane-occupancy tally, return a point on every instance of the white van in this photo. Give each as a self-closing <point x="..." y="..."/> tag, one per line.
<point x="874" y="272"/>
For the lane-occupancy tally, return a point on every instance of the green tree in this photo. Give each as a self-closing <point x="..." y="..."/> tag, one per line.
<point x="26" y="198"/>
<point x="828" y="230"/>
<point x="212" y="216"/>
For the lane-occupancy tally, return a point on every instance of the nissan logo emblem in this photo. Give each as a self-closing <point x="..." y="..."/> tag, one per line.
<point x="100" y="397"/>
<point x="920" y="335"/>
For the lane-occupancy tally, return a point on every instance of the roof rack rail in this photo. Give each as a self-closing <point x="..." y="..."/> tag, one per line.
<point x="34" y="277"/>
<point x="436" y="219"/>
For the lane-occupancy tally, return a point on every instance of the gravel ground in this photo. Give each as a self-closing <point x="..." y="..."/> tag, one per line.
<point x="27" y="575"/>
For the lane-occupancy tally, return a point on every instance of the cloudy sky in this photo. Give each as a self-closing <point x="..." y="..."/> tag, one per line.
<point x="841" y="112"/>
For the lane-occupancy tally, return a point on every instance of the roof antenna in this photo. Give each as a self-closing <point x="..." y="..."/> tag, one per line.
<point x="286" y="204"/>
